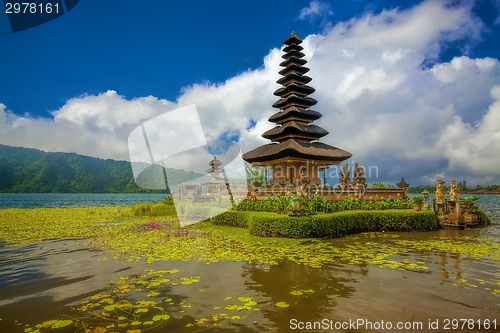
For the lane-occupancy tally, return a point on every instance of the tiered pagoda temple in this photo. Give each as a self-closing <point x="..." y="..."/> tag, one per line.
<point x="214" y="182"/>
<point x="295" y="152"/>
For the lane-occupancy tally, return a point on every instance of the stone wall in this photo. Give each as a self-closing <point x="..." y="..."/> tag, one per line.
<point x="331" y="194"/>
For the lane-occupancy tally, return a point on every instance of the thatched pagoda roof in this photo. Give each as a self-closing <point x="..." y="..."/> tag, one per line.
<point x="293" y="61"/>
<point x="293" y="53"/>
<point x="293" y="69"/>
<point x="292" y="47"/>
<point x="295" y="100"/>
<point x="295" y="137"/>
<point x="294" y="113"/>
<point x="293" y="129"/>
<point x="293" y="39"/>
<point x="296" y="149"/>
<point x="294" y="78"/>
<point x="294" y="88"/>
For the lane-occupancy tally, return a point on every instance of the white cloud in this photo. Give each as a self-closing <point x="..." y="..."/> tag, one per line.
<point x="109" y="111"/>
<point x="315" y="9"/>
<point x="91" y="125"/>
<point x="379" y="103"/>
<point x="474" y="149"/>
<point x="376" y="99"/>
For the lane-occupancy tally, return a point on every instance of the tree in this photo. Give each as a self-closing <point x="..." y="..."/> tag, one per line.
<point x="378" y="185"/>
<point x="34" y="171"/>
<point x="462" y="186"/>
<point x="256" y="176"/>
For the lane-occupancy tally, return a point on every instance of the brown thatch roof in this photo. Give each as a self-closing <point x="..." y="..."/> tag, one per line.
<point x="292" y="47"/>
<point x="292" y="129"/>
<point x="293" y="61"/>
<point x="293" y="39"/>
<point x="293" y="88"/>
<point x="293" y="53"/>
<point x="294" y="78"/>
<point x="295" y="132"/>
<point x="295" y="113"/>
<point x="295" y="100"/>
<point x="293" y="69"/>
<point x="295" y="149"/>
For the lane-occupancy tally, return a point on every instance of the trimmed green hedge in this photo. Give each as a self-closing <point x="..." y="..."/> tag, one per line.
<point x="329" y="225"/>
<point x="318" y="204"/>
<point x="232" y="219"/>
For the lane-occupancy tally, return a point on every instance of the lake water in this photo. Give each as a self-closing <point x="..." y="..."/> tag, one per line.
<point x="45" y="281"/>
<point x="38" y="200"/>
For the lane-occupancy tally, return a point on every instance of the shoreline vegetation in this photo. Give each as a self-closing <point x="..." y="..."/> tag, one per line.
<point x="461" y="186"/>
<point x="146" y="234"/>
<point x="155" y="234"/>
<point x="28" y="170"/>
<point x="117" y="231"/>
<point x="263" y="218"/>
<point x="20" y="226"/>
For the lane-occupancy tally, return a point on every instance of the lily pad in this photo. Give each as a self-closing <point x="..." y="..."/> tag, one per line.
<point x="62" y="323"/>
<point x="161" y="317"/>
<point x="282" y="304"/>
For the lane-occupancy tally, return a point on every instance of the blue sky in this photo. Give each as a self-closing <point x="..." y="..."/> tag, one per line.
<point x="159" y="47"/>
<point x="64" y="83"/>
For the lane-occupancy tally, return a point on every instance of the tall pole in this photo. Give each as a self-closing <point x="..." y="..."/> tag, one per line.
<point x="228" y="187"/>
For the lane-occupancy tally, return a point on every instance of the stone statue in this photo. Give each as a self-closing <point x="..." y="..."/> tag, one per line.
<point x="345" y="178"/>
<point x="295" y="207"/>
<point x="453" y="191"/>
<point x="355" y="175"/>
<point x="359" y="181"/>
<point x="303" y="183"/>
<point x="403" y="184"/>
<point x="439" y="192"/>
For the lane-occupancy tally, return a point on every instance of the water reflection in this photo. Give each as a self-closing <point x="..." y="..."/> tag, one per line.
<point x="38" y="282"/>
<point x="442" y="265"/>
<point x="311" y="292"/>
<point x="58" y="269"/>
<point x="38" y="285"/>
<point x="42" y="282"/>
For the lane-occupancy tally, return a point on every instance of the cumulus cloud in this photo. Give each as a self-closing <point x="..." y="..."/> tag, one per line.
<point x="377" y="100"/>
<point x="96" y="125"/>
<point x="382" y="105"/>
<point x="314" y="10"/>
<point x="473" y="149"/>
<point x="317" y="13"/>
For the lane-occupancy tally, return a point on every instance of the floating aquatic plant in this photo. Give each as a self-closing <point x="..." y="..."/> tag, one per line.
<point x="282" y="304"/>
<point x="146" y="300"/>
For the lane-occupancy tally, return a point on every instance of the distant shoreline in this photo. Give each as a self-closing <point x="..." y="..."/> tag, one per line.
<point x="46" y="200"/>
<point x="479" y="192"/>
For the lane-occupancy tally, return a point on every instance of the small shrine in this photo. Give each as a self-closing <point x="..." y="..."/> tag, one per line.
<point x="456" y="212"/>
<point x="295" y="154"/>
<point x="214" y="182"/>
<point x="211" y="186"/>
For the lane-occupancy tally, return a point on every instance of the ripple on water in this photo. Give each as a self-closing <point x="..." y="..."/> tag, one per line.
<point x="61" y="269"/>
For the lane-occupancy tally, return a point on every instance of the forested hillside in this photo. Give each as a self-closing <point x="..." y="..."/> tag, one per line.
<point x="34" y="171"/>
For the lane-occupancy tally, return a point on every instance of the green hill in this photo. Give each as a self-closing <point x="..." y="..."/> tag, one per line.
<point x="33" y="171"/>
